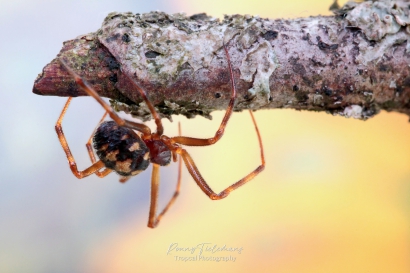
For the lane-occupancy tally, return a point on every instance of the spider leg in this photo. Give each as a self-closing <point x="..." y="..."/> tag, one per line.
<point x="91" y="153"/>
<point x="190" y="141"/>
<point x="153" y="219"/>
<point x="91" y="92"/>
<point x="193" y="170"/>
<point x="154" y="196"/>
<point x="73" y="166"/>
<point x="155" y="115"/>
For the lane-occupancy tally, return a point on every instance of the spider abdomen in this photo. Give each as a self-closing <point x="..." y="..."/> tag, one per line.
<point x="121" y="149"/>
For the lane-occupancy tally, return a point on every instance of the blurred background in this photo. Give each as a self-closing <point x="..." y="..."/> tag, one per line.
<point x="335" y="195"/>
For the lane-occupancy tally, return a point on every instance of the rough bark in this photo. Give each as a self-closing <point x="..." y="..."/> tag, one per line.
<point x="354" y="63"/>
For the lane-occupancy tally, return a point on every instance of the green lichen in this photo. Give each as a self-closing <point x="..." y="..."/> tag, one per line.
<point x="378" y="18"/>
<point x="301" y="96"/>
<point x="389" y="105"/>
<point x="165" y="109"/>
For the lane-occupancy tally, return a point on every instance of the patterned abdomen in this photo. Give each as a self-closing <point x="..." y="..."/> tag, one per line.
<point x="121" y="149"/>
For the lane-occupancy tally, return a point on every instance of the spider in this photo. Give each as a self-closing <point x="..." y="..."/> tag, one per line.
<point x="121" y="149"/>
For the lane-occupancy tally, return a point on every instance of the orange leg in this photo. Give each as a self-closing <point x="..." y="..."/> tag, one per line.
<point x="193" y="170"/>
<point x="190" y="141"/>
<point x="73" y="166"/>
<point x="91" y="153"/>
<point x="155" y="115"/>
<point x="122" y="122"/>
<point x="153" y="220"/>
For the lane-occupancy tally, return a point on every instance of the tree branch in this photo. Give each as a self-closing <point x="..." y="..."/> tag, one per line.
<point x="354" y="63"/>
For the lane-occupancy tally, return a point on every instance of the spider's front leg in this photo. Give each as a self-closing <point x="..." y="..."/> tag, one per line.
<point x="73" y="166"/>
<point x="91" y="92"/>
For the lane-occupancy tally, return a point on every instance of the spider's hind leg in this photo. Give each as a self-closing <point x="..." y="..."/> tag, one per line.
<point x="200" y="181"/>
<point x="88" y="145"/>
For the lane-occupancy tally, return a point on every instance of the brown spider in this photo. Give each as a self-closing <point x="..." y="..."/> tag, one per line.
<point x="121" y="149"/>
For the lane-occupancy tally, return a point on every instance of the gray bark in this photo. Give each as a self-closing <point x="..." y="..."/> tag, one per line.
<point x="354" y="63"/>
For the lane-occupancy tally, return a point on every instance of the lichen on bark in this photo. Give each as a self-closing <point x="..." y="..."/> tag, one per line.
<point x="353" y="64"/>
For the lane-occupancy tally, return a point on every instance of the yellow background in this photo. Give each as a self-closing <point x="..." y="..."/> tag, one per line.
<point x="334" y="197"/>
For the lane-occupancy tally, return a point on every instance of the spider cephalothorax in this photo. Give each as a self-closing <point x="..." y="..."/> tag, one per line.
<point x="121" y="149"/>
<point x="160" y="153"/>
